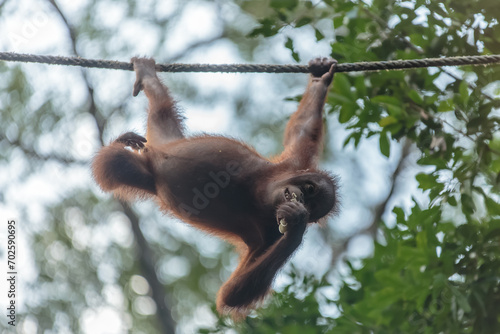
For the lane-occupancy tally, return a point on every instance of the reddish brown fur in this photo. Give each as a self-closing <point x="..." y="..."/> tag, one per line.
<point x="225" y="187"/>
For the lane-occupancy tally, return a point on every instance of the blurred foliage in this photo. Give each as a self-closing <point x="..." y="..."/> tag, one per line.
<point x="434" y="270"/>
<point x="428" y="276"/>
<point x="296" y="309"/>
<point x="437" y="269"/>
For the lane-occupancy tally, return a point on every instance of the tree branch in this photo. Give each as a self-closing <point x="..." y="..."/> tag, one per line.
<point x="163" y="312"/>
<point x="147" y="264"/>
<point x="340" y="247"/>
<point x="30" y="152"/>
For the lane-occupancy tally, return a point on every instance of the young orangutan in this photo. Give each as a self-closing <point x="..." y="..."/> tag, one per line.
<point x="223" y="186"/>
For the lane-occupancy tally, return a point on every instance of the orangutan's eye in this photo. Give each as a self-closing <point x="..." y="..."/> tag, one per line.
<point x="309" y="189"/>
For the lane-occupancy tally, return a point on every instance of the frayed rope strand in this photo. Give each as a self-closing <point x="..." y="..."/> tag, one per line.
<point x="256" y="68"/>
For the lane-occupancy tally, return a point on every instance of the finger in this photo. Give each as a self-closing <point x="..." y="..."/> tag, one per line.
<point x="137" y="88"/>
<point x="328" y="76"/>
<point x="333" y="68"/>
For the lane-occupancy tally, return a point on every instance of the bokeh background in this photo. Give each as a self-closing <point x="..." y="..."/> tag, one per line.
<point x="424" y="141"/>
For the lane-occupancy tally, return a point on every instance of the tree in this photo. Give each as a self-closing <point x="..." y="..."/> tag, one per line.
<point x="434" y="268"/>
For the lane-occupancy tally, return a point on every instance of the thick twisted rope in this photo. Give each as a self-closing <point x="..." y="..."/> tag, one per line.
<point x="261" y="68"/>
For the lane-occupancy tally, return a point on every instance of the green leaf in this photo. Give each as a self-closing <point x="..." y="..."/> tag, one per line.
<point x="426" y="181"/>
<point x="286" y="4"/>
<point x="347" y="111"/>
<point x="394" y="110"/>
<point x="413" y="94"/>
<point x="468" y="206"/>
<point x="356" y="136"/>
<point x="392" y="104"/>
<point x="289" y="45"/>
<point x="495" y="166"/>
<point x="338" y="21"/>
<point x="360" y="85"/>
<point x="303" y="21"/>
<point x="387" y="121"/>
<point x="400" y="215"/>
<point x="343" y="85"/>
<point x="318" y="34"/>
<point x="451" y="200"/>
<point x="394" y="129"/>
<point x="267" y="28"/>
<point x="446" y="105"/>
<point x="461" y="299"/>
<point x="464" y="92"/>
<point x="384" y="99"/>
<point x="385" y="145"/>
<point x="492" y="206"/>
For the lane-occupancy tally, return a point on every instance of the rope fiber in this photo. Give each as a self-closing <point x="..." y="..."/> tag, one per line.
<point x="256" y="68"/>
